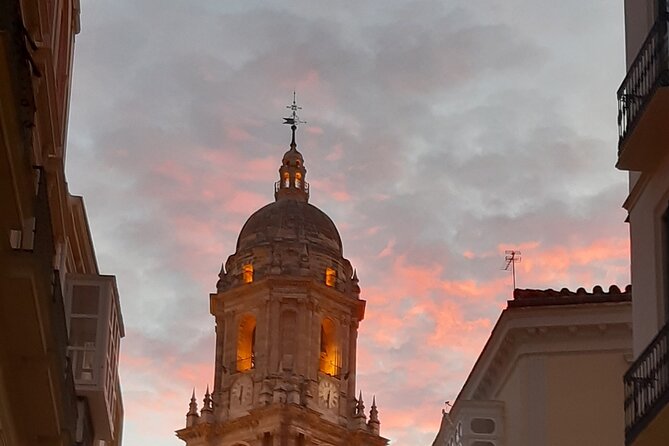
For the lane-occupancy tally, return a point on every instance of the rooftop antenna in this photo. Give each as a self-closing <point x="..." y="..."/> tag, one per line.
<point x="510" y="259"/>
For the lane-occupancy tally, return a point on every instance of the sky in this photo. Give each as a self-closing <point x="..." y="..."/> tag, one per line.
<point x="439" y="135"/>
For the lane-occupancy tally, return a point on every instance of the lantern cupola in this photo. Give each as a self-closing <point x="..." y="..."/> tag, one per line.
<point x="292" y="173"/>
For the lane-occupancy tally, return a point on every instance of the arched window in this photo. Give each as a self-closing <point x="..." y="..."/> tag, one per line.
<point x="298" y="180"/>
<point x="246" y="343"/>
<point x="330" y="276"/>
<point x="286" y="179"/>
<point x="329" y="360"/>
<point x="247" y="273"/>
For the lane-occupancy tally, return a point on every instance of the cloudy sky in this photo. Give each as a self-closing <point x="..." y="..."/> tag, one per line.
<point x="440" y="133"/>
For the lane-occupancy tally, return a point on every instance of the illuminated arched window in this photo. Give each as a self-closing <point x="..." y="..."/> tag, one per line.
<point x="298" y="180"/>
<point x="246" y="343"/>
<point x="286" y="179"/>
<point x="247" y="273"/>
<point x="330" y="276"/>
<point x="329" y="360"/>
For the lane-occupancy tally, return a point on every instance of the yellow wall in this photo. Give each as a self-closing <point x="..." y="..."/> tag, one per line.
<point x="573" y="399"/>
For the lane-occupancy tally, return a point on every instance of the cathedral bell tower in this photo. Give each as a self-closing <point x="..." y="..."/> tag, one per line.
<point x="287" y="308"/>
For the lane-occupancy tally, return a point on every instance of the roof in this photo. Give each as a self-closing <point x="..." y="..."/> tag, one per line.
<point x="534" y="298"/>
<point x="290" y="221"/>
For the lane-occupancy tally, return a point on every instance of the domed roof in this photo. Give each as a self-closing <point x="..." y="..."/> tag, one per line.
<point x="290" y="221"/>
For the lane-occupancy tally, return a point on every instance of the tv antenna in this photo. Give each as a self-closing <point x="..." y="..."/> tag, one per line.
<point x="510" y="258"/>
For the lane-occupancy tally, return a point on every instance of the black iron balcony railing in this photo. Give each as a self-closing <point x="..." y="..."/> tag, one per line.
<point x="649" y="70"/>
<point x="647" y="385"/>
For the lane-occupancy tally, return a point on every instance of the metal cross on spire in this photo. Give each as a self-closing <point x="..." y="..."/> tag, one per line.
<point x="293" y="119"/>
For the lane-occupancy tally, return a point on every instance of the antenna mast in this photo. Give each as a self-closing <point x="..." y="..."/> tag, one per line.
<point x="511" y="257"/>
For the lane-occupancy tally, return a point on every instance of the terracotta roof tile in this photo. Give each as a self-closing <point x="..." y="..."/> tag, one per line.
<point x="532" y="298"/>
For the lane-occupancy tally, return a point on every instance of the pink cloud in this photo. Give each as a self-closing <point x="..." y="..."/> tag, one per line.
<point x="388" y="249"/>
<point x="172" y="171"/>
<point x="336" y="153"/>
<point x="237" y="134"/>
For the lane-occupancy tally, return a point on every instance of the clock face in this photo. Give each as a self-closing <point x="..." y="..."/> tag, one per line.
<point x="241" y="392"/>
<point x="328" y="394"/>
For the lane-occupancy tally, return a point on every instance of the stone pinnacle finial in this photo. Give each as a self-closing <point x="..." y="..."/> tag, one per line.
<point x="374" y="424"/>
<point x="374" y="413"/>
<point x="192" y="407"/>
<point x="361" y="405"/>
<point x="192" y="417"/>
<point x="207" y="400"/>
<point x="208" y="408"/>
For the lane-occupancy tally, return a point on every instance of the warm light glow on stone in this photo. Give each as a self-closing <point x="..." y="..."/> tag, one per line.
<point x="330" y="276"/>
<point x="329" y="361"/>
<point x="248" y="273"/>
<point x="246" y="339"/>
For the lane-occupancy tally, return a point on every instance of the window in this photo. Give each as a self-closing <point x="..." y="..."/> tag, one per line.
<point x="247" y="273"/>
<point x="84" y="331"/>
<point x="482" y="426"/>
<point x="246" y="343"/>
<point x="330" y="276"/>
<point x="298" y="180"/>
<point x="329" y="359"/>
<point x="286" y="179"/>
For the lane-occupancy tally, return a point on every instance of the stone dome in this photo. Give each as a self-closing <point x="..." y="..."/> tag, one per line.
<point x="290" y="221"/>
<point x="289" y="237"/>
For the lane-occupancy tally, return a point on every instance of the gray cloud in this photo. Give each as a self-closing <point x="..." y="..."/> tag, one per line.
<point x="434" y="129"/>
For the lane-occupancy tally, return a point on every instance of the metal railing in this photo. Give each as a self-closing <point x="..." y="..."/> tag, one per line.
<point x="278" y="185"/>
<point x="648" y="71"/>
<point x="244" y="364"/>
<point x="330" y="368"/>
<point x="647" y="385"/>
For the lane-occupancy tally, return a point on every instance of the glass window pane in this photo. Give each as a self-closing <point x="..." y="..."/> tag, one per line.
<point x="85" y="299"/>
<point x="83" y="331"/>
<point x="483" y="426"/>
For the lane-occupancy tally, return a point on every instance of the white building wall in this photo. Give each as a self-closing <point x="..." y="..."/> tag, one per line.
<point x="646" y="207"/>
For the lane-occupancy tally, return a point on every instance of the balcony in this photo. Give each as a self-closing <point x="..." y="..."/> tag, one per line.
<point x="647" y="394"/>
<point x="95" y="332"/>
<point x="643" y="103"/>
<point x="245" y="364"/>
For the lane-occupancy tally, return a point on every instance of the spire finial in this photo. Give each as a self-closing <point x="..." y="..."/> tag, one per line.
<point x="192" y="407"/>
<point x="374" y="412"/>
<point x="374" y="423"/>
<point x="293" y="119"/>
<point x="208" y="403"/>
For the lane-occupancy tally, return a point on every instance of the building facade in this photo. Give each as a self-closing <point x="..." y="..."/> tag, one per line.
<point x="550" y="374"/>
<point x="59" y="317"/>
<point x="643" y="151"/>
<point x="287" y="308"/>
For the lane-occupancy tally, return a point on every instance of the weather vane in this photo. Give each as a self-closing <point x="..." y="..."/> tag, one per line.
<point x="293" y="119"/>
